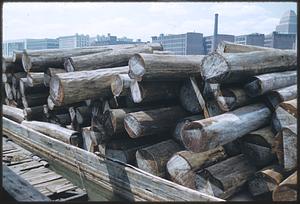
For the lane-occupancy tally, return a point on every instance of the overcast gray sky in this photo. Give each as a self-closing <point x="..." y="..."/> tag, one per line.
<point x="138" y="20"/>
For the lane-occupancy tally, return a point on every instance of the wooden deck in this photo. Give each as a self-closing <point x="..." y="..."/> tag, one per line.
<point x="35" y="171"/>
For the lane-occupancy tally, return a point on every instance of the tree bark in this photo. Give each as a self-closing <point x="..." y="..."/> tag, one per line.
<point x="188" y="98"/>
<point x="51" y="72"/>
<point x="165" y="52"/>
<point x="202" y="135"/>
<point x="163" y="67"/>
<point x="229" y="47"/>
<point x="261" y="84"/>
<point x="34" y="113"/>
<point x="153" y="159"/>
<point x="114" y="58"/>
<point x="144" y="123"/>
<point x="183" y="165"/>
<point x="236" y="67"/>
<point x="281" y="118"/>
<point x="35" y="99"/>
<point x="55" y="131"/>
<point x="287" y="190"/>
<point x="226" y="177"/>
<point x="120" y="85"/>
<point x="67" y="88"/>
<point x="15" y="114"/>
<point x="290" y="107"/>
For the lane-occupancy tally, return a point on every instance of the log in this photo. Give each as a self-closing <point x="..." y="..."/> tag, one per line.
<point x="210" y="91"/>
<point x="178" y="131"/>
<point x="236" y="67"/>
<point x="7" y="78"/>
<point x="120" y="85"/>
<point x="226" y="177"/>
<point x="202" y="135"/>
<point x="183" y="165"/>
<point x="287" y="190"/>
<point x="84" y="85"/>
<point x="150" y="122"/>
<point x="25" y="89"/>
<point x="115" y="58"/>
<point x="263" y="137"/>
<point x="232" y="98"/>
<point x="153" y="159"/>
<point x="8" y="91"/>
<point x="17" y="57"/>
<point x="55" y="131"/>
<point x="285" y="147"/>
<point x="150" y="92"/>
<point x="229" y="47"/>
<point x="13" y="113"/>
<point x="33" y="113"/>
<point x="35" y="78"/>
<point x="200" y="98"/>
<point x="39" y="60"/>
<point x="63" y="119"/>
<point x="163" y="67"/>
<point x="275" y="97"/>
<point x="265" y="181"/>
<point x="165" y="52"/>
<point x="290" y="107"/>
<point x="83" y="115"/>
<point x="91" y="139"/>
<point x="17" y="77"/>
<point x="264" y="83"/>
<point x="188" y="98"/>
<point x="34" y="99"/>
<point x="51" y="72"/>
<point x="281" y="118"/>
<point x="8" y="66"/>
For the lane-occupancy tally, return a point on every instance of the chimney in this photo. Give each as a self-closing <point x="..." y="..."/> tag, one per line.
<point x="215" y="33"/>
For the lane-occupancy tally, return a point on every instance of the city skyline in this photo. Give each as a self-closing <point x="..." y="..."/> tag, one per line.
<point x="148" y="19"/>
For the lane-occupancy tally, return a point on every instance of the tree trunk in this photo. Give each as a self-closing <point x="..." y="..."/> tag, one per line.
<point x="55" y="131"/>
<point x="281" y="118"/>
<point x="25" y="89"/>
<point x="114" y="58"/>
<point x="120" y="85"/>
<point x="15" y="114"/>
<point x="153" y="159"/>
<point x="261" y="84"/>
<point x="35" y="78"/>
<point x="188" y="98"/>
<point x="265" y="181"/>
<point x="150" y="92"/>
<point x="183" y="165"/>
<point x="229" y="47"/>
<point x="66" y="88"/>
<point x="34" y="113"/>
<point x="35" y="99"/>
<point x="229" y="99"/>
<point x="287" y="190"/>
<point x="178" y="131"/>
<point x="202" y="135"/>
<point x="226" y="177"/>
<point x="163" y="67"/>
<point x="290" y="107"/>
<point x="144" y="123"/>
<point x="274" y="98"/>
<point x="236" y="67"/>
<point x="51" y="72"/>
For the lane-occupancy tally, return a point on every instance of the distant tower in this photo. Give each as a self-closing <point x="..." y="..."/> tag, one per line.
<point x="288" y="23"/>
<point x="215" y="39"/>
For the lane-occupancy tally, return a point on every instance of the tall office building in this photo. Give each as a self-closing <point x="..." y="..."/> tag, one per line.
<point x="74" y="41"/>
<point x="288" y="23"/>
<point x="280" y="41"/>
<point x="250" y="39"/>
<point x="190" y="43"/>
<point x="208" y="41"/>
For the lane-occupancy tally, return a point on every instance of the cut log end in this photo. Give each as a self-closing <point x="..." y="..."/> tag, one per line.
<point x="146" y="161"/>
<point x="136" y="67"/>
<point x="117" y="86"/>
<point x="56" y="91"/>
<point x="132" y="126"/>
<point x="226" y="101"/>
<point x="68" y="65"/>
<point x="191" y="137"/>
<point x="26" y="62"/>
<point x="214" y="67"/>
<point x="252" y="88"/>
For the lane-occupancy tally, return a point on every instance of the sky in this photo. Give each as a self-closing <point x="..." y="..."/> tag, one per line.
<point x="139" y="20"/>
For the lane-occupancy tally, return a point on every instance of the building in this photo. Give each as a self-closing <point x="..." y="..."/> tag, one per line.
<point x="280" y="41"/>
<point x="31" y="44"/>
<point x="111" y="40"/>
<point x="190" y="43"/>
<point x="74" y="41"/>
<point x="208" y="41"/>
<point x="250" y="39"/>
<point x="288" y="23"/>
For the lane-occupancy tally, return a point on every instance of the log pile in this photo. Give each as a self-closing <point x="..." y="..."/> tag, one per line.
<point x="219" y="124"/>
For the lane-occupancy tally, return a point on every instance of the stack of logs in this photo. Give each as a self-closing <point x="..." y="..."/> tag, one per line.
<point x="218" y="124"/>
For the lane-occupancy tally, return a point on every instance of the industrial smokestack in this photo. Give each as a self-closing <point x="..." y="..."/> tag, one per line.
<point x="215" y="33"/>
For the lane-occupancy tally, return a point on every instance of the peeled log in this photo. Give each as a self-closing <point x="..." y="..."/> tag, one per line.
<point x="34" y="113"/>
<point x="229" y="47"/>
<point x="229" y="99"/>
<point x="265" y="180"/>
<point x="188" y="98"/>
<point x="202" y="135"/>
<point x="51" y="72"/>
<point x="261" y="84"/>
<point x="168" y="67"/>
<point x="226" y="177"/>
<point x="144" y="123"/>
<point x="183" y="165"/>
<point x="281" y="118"/>
<point x="236" y="67"/>
<point x="55" y="131"/>
<point x="290" y="107"/>
<point x="114" y="58"/>
<point x="15" y="114"/>
<point x="153" y="159"/>
<point x="120" y="85"/>
<point x="67" y="88"/>
<point x="287" y="190"/>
